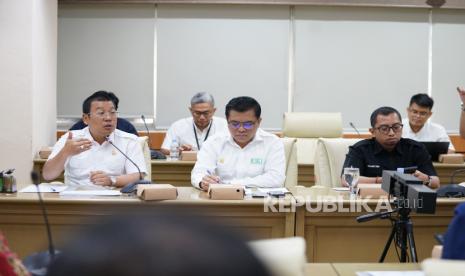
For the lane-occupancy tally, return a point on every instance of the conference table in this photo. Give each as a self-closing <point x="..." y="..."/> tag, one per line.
<point x="178" y="173"/>
<point x="327" y="220"/>
<point x="350" y="269"/>
<point x="22" y="223"/>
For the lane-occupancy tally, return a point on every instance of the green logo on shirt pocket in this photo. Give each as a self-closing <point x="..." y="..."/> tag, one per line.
<point x="256" y="161"/>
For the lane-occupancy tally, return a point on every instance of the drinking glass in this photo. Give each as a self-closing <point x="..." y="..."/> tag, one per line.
<point x="351" y="176"/>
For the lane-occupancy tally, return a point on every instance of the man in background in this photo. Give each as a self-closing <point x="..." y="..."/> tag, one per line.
<point x="246" y="155"/>
<point x="418" y="127"/>
<point x="388" y="151"/>
<point x="190" y="133"/>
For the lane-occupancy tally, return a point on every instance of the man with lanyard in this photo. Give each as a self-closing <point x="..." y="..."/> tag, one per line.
<point x="191" y="132"/>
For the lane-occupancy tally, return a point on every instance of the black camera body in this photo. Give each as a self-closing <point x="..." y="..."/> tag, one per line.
<point x="410" y="192"/>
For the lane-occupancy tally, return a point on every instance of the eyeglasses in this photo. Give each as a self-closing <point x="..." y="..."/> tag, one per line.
<point x="102" y="114"/>
<point x="200" y="113"/>
<point x="418" y="113"/>
<point x="246" y="125"/>
<point x="385" y="129"/>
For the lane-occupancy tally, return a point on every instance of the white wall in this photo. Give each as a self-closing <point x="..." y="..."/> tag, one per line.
<point x="27" y="82"/>
<point x="343" y="59"/>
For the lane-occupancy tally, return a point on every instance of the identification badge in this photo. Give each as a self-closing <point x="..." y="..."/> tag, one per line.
<point x="256" y="161"/>
<point x="373" y="166"/>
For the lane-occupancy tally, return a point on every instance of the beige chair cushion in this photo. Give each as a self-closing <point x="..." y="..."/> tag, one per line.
<point x="329" y="158"/>
<point x="290" y="150"/>
<point x="281" y="256"/>
<point x="434" y="267"/>
<point x="312" y="125"/>
<point x="306" y="151"/>
<point x="146" y="151"/>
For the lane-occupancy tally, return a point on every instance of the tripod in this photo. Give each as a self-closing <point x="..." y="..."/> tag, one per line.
<point x="402" y="234"/>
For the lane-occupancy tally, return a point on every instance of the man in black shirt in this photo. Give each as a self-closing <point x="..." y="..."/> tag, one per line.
<point x="388" y="151"/>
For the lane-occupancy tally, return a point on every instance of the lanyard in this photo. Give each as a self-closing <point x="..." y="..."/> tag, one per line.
<point x="206" y="136"/>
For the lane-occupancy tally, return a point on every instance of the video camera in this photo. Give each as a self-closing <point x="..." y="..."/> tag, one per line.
<point x="410" y="192"/>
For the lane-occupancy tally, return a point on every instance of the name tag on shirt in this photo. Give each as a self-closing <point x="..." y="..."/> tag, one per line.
<point x="373" y="166"/>
<point x="256" y="161"/>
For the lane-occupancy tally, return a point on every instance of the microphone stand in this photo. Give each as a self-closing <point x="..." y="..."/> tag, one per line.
<point x="356" y="130"/>
<point x="37" y="263"/>
<point x="154" y="154"/>
<point x="130" y="188"/>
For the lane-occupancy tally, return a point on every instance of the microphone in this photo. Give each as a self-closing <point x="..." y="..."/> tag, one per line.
<point x="37" y="263"/>
<point x="130" y="187"/>
<point x="146" y="128"/>
<point x="154" y="154"/>
<point x="353" y="126"/>
<point x="371" y="216"/>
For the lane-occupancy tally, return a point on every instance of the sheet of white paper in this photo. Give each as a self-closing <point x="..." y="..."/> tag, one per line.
<point x="91" y="193"/>
<point x="276" y="190"/>
<point x="44" y="188"/>
<point x="341" y="189"/>
<point x="391" y="273"/>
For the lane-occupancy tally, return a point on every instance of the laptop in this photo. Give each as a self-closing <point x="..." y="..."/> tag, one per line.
<point x="436" y="148"/>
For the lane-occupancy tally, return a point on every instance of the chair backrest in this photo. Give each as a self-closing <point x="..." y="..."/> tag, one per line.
<point x="307" y="127"/>
<point x="290" y="150"/>
<point x="329" y="158"/>
<point x="282" y="257"/>
<point x="143" y="141"/>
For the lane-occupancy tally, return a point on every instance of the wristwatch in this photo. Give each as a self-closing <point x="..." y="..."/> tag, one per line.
<point x="113" y="181"/>
<point x="462" y="107"/>
<point x="427" y="182"/>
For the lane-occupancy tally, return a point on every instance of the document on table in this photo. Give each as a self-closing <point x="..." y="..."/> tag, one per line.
<point x="341" y="189"/>
<point x="391" y="273"/>
<point x="44" y="188"/>
<point x="100" y="192"/>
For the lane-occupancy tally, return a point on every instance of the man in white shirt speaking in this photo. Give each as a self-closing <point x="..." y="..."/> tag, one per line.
<point x="247" y="155"/>
<point x="418" y="127"/>
<point x="191" y="132"/>
<point x="87" y="156"/>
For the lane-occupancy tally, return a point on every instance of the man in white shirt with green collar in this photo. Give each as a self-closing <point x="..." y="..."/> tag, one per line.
<point x="247" y="155"/>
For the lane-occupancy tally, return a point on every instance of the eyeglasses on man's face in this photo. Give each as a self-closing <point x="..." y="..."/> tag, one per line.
<point x="202" y="113"/>
<point x="246" y="125"/>
<point x="385" y="129"/>
<point x="102" y="114"/>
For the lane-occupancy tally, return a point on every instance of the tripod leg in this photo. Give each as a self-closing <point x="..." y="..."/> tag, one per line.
<point x="388" y="243"/>
<point x="411" y="241"/>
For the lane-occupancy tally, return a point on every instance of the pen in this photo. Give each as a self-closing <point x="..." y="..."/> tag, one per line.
<point x="210" y="173"/>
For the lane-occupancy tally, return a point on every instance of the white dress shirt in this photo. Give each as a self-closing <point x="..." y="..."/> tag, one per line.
<point x="261" y="163"/>
<point x="183" y="131"/>
<point x="102" y="157"/>
<point x="430" y="132"/>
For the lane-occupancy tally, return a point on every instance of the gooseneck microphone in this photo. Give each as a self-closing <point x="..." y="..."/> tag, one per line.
<point x="37" y="263"/>
<point x="130" y="188"/>
<point x="353" y="126"/>
<point x="154" y="154"/>
<point x="127" y="157"/>
<point x="146" y="128"/>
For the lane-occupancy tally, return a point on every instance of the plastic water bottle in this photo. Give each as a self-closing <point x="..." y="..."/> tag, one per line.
<point x="174" y="150"/>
